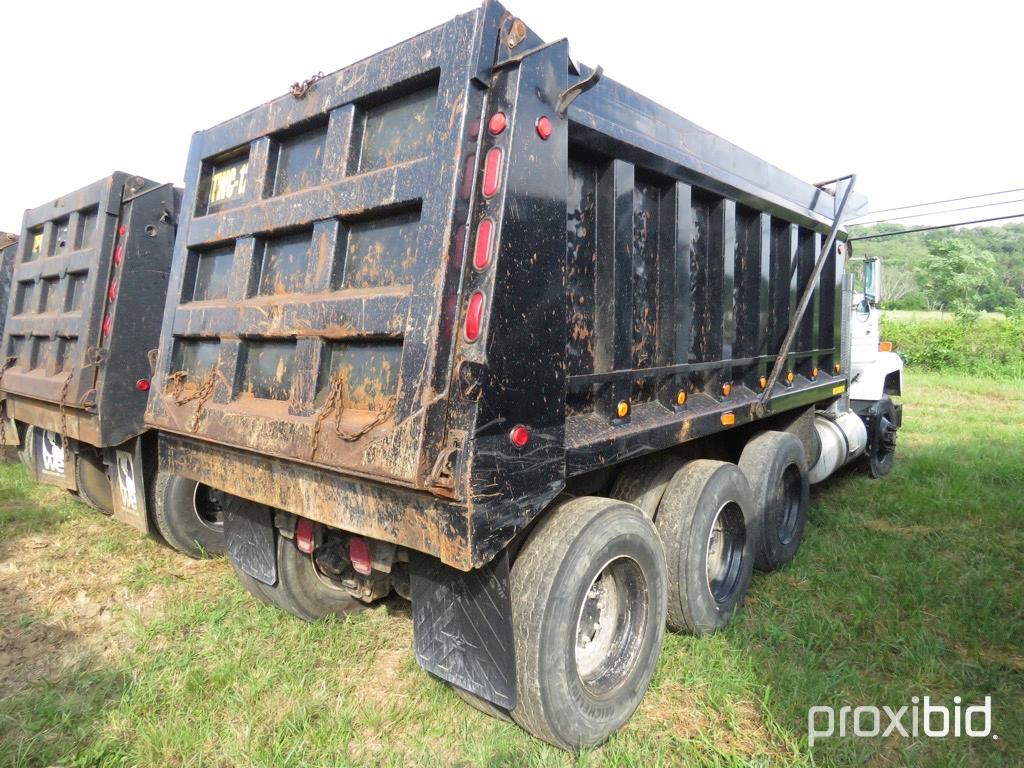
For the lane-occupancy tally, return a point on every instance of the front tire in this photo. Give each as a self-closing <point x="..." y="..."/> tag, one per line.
<point x="705" y="524"/>
<point x="588" y="615"/>
<point x="187" y="515"/>
<point x="882" y="428"/>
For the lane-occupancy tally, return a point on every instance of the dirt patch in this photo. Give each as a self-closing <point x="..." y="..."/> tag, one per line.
<point x="61" y="605"/>
<point x="739" y="729"/>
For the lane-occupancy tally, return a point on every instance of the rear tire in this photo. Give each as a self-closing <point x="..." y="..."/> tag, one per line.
<point x="26" y="452"/>
<point x="93" y="481"/>
<point x="705" y="524"/>
<point x="643" y="482"/>
<point x="773" y="463"/>
<point x="588" y="616"/>
<point x="482" y="705"/>
<point x="186" y="515"/>
<point x="303" y="591"/>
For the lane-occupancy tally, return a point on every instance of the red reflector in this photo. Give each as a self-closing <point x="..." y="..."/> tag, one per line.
<point x="304" y="535"/>
<point x="108" y="321"/>
<point x="142" y="385"/>
<point x="122" y="230"/>
<point x="519" y="436"/>
<point x="359" y="554"/>
<point x="484" y="243"/>
<point x="544" y="127"/>
<point x="492" y="171"/>
<point x="474" y="316"/>
<point x="497" y="123"/>
<point x="112" y="291"/>
<point x="118" y="255"/>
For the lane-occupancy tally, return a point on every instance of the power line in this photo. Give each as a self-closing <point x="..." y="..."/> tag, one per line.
<point x="937" y="213"/>
<point x="939" y="202"/>
<point x="938" y="226"/>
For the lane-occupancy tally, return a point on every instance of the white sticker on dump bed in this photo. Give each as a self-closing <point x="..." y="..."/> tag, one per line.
<point x="126" y="481"/>
<point x="52" y="451"/>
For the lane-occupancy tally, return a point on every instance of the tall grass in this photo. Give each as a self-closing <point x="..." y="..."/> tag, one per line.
<point x="990" y="348"/>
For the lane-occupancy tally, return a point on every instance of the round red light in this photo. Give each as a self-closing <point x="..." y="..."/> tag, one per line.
<point x="118" y="255"/>
<point x="122" y="230"/>
<point x="544" y="127"/>
<point x="112" y="291"/>
<point x="108" y="322"/>
<point x="497" y="123"/>
<point x="519" y="436"/>
<point x="142" y="385"/>
<point x="474" y="316"/>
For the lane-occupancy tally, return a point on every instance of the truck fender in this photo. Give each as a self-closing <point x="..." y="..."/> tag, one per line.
<point x="883" y="376"/>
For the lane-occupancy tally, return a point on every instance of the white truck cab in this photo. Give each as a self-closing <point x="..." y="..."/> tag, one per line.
<point x="875" y="370"/>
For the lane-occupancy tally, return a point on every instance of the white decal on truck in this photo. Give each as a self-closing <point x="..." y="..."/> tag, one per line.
<point x="126" y="481"/>
<point x="53" y="453"/>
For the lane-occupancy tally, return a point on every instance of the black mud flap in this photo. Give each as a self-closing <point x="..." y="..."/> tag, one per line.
<point x="249" y="539"/>
<point x="462" y="624"/>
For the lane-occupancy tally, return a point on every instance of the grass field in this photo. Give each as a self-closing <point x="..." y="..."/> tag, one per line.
<point x="917" y="315"/>
<point x="117" y="652"/>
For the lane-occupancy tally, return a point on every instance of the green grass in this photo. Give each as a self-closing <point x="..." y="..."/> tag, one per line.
<point x="907" y="586"/>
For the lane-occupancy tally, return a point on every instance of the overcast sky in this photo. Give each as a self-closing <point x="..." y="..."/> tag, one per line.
<point x="921" y="100"/>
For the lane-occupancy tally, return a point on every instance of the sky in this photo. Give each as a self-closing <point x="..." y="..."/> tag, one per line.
<point x="921" y="100"/>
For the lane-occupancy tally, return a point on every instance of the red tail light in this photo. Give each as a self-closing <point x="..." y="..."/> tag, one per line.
<point x="544" y="127"/>
<point x="304" y="535"/>
<point x="519" y="436"/>
<point x="122" y="230"/>
<point x="112" y="291"/>
<point x="497" y="123"/>
<point x="118" y="254"/>
<point x="108" y="322"/>
<point x="484" y="244"/>
<point x="474" y="316"/>
<point x="492" y="171"/>
<point x="359" y="554"/>
<point x="142" y="385"/>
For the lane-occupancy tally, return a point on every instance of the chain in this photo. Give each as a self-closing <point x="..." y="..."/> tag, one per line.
<point x="299" y="90"/>
<point x="336" y="402"/>
<point x="201" y="394"/>
<point x="64" y="413"/>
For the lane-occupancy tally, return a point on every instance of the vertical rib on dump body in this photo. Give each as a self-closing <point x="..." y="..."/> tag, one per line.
<point x="397" y="314"/>
<point x="89" y="279"/>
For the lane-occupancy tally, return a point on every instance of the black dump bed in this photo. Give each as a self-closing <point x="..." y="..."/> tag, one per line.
<point x="413" y="300"/>
<point x="8" y="249"/>
<point x="89" y="283"/>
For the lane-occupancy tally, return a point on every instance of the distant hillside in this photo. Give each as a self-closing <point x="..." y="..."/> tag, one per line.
<point x="999" y="254"/>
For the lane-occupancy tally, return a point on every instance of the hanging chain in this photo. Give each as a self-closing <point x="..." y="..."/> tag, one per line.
<point x="336" y="402"/>
<point x="201" y="394"/>
<point x="299" y="90"/>
<point x="64" y="413"/>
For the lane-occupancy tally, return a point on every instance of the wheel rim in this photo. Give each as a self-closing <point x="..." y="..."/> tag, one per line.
<point x="610" y="626"/>
<point x="208" y="508"/>
<point x="792" y="497"/>
<point x="724" y="554"/>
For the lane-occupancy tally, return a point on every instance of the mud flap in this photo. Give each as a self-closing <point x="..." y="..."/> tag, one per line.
<point x="249" y="539"/>
<point x="462" y="625"/>
<point x="53" y="465"/>
<point x="129" y="485"/>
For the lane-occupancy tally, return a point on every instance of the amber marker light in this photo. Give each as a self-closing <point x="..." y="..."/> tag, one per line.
<point x="763" y="382"/>
<point x="681" y="397"/>
<point x="790" y="377"/>
<point x="885" y="346"/>
<point x="728" y="419"/>
<point x="622" y="409"/>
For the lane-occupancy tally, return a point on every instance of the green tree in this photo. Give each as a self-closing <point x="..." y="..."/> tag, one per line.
<point x="956" y="273"/>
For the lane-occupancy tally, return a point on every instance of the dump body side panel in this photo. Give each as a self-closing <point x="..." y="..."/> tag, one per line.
<point x="8" y="250"/>
<point x="89" y="278"/>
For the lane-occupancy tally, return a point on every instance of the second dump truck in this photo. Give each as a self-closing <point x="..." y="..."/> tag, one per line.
<point x="470" y="322"/>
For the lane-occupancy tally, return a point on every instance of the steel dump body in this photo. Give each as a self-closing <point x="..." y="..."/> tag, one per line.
<point x="89" y="282"/>
<point x="317" y="354"/>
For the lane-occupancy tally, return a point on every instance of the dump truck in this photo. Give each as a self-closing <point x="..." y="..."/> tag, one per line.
<point x="470" y="322"/>
<point x="88" y="288"/>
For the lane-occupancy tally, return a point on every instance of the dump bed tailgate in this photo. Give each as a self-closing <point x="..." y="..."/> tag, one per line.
<point x="307" y="316"/>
